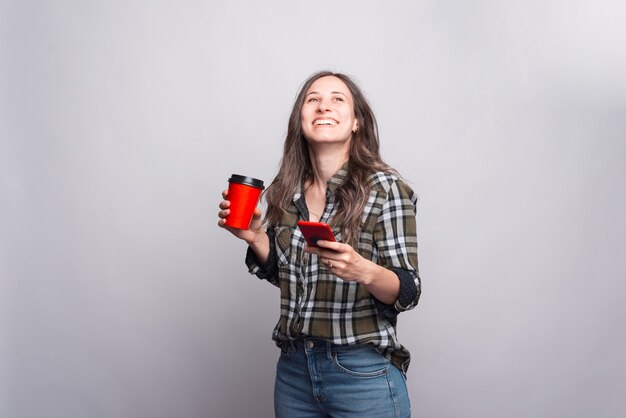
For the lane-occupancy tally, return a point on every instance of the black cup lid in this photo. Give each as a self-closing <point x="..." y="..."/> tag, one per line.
<point x="250" y="181"/>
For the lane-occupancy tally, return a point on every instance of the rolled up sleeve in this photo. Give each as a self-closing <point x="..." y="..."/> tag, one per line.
<point x="395" y="236"/>
<point x="268" y="271"/>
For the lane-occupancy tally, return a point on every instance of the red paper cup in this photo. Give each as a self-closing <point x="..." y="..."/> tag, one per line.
<point x="243" y="194"/>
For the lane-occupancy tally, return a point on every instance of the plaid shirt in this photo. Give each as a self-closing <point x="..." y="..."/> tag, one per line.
<point x="316" y="303"/>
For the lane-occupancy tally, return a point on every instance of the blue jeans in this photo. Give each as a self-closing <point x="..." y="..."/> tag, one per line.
<point x="315" y="378"/>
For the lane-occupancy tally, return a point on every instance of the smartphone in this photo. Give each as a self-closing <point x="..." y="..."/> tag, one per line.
<point x="315" y="231"/>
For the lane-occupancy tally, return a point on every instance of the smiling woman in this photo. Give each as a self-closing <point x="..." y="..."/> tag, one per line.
<point x="363" y="155"/>
<point x="328" y="113"/>
<point x="339" y="300"/>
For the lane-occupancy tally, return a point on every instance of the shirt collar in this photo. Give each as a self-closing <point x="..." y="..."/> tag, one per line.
<point x="333" y="183"/>
<point x="338" y="178"/>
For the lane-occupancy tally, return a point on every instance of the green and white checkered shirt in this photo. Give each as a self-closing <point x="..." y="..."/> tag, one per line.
<point x="316" y="303"/>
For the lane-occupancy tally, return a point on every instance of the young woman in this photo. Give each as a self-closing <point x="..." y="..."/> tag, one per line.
<point x="340" y="356"/>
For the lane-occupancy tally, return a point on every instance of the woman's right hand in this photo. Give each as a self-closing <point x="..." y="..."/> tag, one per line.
<point x="251" y="235"/>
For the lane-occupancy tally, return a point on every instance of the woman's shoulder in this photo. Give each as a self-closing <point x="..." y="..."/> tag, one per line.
<point x="382" y="179"/>
<point x="390" y="186"/>
<point x="385" y="180"/>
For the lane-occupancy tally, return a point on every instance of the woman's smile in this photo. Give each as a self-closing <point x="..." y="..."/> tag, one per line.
<point x="324" y="122"/>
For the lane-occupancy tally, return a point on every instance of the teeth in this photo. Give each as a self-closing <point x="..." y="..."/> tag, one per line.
<point x="325" y="122"/>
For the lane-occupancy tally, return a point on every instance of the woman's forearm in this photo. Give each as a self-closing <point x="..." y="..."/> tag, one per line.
<point x="382" y="283"/>
<point x="261" y="247"/>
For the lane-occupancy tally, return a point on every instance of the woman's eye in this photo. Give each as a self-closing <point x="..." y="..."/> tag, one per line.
<point x="312" y="100"/>
<point x="338" y="99"/>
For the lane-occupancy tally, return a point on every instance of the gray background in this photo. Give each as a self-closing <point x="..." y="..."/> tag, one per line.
<point x="121" y="122"/>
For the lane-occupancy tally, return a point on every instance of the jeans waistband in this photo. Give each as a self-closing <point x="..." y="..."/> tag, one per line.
<point x="319" y="345"/>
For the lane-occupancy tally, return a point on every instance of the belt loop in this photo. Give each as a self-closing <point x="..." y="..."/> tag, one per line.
<point x="329" y="350"/>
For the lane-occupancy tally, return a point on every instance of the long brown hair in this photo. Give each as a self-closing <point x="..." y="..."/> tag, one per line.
<point x="363" y="160"/>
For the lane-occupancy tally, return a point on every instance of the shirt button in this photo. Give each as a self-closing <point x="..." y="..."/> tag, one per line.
<point x="310" y="344"/>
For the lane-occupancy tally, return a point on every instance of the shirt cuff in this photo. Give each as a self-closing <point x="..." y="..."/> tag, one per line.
<point x="408" y="296"/>
<point x="409" y="289"/>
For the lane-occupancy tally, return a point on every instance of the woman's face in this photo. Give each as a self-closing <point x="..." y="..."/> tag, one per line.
<point x="327" y="115"/>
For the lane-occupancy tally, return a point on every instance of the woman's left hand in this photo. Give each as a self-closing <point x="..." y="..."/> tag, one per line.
<point x="343" y="261"/>
<point x="349" y="265"/>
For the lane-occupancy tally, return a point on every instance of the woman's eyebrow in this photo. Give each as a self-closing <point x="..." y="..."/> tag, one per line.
<point x="332" y="92"/>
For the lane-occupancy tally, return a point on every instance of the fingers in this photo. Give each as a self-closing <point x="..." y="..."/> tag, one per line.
<point x="311" y="250"/>
<point x="333" y="246"/>
<point x="222" y="223"/>
<point x="328" y="262"/>
<point x="334" y="256"/>
<point x="223" y="213"/>
<point x="224" y="206"/>
<point x="323" y="248"/>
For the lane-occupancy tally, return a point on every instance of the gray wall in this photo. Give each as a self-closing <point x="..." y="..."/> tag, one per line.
<point x="121" y="121"/>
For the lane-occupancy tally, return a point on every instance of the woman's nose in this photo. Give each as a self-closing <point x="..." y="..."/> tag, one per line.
<point x="323" y="106"/>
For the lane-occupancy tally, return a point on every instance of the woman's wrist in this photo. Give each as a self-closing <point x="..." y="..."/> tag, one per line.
<point x="256" y="238"/>
<point x="260" y="245"/>
<point x="370" y="274"/>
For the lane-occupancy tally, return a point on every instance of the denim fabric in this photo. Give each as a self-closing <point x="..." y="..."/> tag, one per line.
<point x="315" y="378"/>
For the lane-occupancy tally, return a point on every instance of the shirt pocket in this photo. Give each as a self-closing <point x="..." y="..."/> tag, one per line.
<point x="282" y="236"/>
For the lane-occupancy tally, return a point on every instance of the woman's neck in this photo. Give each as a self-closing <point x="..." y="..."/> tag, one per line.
<point x="325" y="162"/>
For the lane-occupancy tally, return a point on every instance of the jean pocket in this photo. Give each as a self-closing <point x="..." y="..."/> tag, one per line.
<point x="361" y="362"/>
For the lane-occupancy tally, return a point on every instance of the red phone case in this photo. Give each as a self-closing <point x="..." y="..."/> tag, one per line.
<point x="315" y="231"/>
